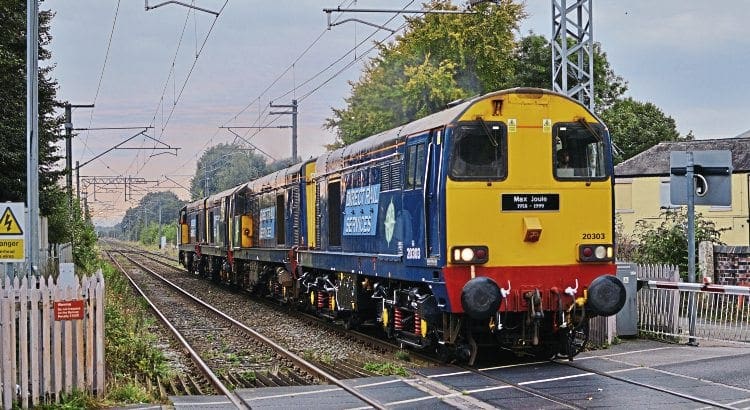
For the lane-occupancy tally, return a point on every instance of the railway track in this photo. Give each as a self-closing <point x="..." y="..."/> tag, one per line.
<point x="649" y="386"/>
<point x="555" y="383"/>
<point x="243" y="357"/>
<point x="367" y="341"/>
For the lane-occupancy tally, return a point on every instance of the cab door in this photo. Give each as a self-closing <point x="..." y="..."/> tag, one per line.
<point x="412" y="219"/>
<point x="433" y="224"/>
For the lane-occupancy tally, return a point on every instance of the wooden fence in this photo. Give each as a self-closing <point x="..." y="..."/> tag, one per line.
<point x="51" y="339"/>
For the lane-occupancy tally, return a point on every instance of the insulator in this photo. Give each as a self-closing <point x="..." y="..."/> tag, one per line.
<point x="397" y="324"/>
<point x="321" y="299"/>
<point x="417" y="323"/>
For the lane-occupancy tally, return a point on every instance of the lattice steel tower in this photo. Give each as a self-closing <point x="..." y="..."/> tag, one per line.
<point x="573" y="50"/>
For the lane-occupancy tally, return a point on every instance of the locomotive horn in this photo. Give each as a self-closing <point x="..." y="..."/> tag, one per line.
<point x="606" y="296"/>
<point x="480" y="298"/>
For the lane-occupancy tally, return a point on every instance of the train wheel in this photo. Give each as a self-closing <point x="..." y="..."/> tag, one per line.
<point x="547" y="351"/>
<point x="352" y="322"/>
<point x="445" y="354"/>
<point x="575" y="340"/>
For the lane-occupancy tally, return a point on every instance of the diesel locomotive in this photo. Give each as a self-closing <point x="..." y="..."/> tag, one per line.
<point x="489" y="223"/>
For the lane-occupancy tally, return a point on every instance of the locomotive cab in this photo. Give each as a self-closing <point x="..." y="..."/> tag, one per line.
<point x="536" y="166"/>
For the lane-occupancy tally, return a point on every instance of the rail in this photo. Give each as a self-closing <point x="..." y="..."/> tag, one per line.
<point x="212" y="377"/>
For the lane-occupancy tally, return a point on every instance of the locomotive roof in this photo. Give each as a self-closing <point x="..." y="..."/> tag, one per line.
<point x="351" y="153"/>
<point x="275" y="179"/>
<point x="192" y="206"/>
<point x="215" y="198"/>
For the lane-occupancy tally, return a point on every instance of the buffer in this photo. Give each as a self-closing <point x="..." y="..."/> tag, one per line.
<point x="9" y="224"/>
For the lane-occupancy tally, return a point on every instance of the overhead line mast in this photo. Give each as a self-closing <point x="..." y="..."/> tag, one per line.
<point x="573" y="50"/>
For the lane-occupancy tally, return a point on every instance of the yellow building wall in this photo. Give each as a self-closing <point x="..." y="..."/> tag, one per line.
<point x="640" y="198"/>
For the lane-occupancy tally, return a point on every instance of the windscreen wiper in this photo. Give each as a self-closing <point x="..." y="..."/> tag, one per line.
<point x="488" y="132"/>
<point x="590" y="129"/>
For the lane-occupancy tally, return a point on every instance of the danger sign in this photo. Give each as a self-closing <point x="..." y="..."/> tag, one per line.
<point x="9" y="223"/>
<point x="11" y="232"/>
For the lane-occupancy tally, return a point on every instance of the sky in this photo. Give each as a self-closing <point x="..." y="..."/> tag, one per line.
<point x="187" y="73"/>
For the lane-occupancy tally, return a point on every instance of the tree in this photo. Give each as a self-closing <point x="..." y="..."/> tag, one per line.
<point x="667" y="242"/>
<point x="13" y="116"/>
<point x="441" y="58"/>
<point x="224" y="166"/>
<point x="437" y="59"/>
<point x="137" y="220"/>
<point x="636" y="126"/>
<point x="85" y="252"/>
<point x="532" y="68"/>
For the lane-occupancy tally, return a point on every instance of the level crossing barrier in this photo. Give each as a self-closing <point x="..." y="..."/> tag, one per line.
<point x="688" y="311"/>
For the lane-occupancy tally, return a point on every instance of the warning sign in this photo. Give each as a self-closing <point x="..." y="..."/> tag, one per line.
<point x="11" y="249"/>
<point x="69" y="310"/>
<point x="9" y="224"/>
<point x="11" y="232"/>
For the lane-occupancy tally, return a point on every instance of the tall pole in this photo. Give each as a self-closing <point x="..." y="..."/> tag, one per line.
<point x="69" y="146"/>
<point x="69" y="152"/>
<point x="573" y="50"/>
<point x="293" y="113"/>
<point x="78" y="181"/>
<point x="294" y="130"/>
<point x="32" y="134"/>
<point x="159" y="239"/>
<point x="690" y="174"/>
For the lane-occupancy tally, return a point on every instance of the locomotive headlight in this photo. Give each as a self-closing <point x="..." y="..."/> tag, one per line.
<point x="595" y="253"/>
<point x="600" y="252"/>
<point x="470" y="254"/>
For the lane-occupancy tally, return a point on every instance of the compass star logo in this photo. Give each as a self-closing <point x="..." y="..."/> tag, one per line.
<point x="389" y="222"/>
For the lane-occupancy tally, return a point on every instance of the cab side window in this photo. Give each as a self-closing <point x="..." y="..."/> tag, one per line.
<point x="415" y="166"/>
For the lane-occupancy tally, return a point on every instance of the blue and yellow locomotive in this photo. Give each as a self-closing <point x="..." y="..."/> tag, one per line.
<point x="490" y="222"/>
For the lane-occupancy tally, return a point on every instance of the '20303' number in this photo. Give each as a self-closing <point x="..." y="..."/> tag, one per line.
<point x="594" y="235"/>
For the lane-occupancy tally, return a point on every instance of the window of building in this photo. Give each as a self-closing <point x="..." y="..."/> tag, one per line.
<point x="624" y="196"/>
<point x="664" y="195"/>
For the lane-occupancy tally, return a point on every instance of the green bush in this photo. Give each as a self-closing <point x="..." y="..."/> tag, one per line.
<point x="73" y="400"/>
<point x="667" y="242"/>
<point x="130" y="345"/>
<point x="83" y="237"/>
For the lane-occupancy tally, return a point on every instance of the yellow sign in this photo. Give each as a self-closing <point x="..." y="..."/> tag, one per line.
<point x="512" y="124"/>
<point x="547" y="125"/>
<point x="9" y="224"/>
<point x="11" y="249"/>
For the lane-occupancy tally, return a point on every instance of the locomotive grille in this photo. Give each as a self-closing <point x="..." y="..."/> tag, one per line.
<point x="390" y="176"/>
<point x="295" y="214"/>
